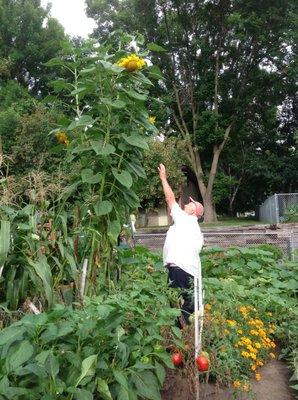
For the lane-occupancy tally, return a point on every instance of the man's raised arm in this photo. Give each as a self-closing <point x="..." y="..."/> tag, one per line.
<point x="169" y="195"/>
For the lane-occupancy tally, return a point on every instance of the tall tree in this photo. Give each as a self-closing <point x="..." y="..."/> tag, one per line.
<point x="226" y="63"/>
<point x="28" y="38"/>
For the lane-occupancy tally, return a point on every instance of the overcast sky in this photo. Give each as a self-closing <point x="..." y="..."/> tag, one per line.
<point x="71" y="14"/>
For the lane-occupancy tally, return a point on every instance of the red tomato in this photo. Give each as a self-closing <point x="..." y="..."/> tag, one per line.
<point x="202" y="363"/>
<point x="177" y="359"/>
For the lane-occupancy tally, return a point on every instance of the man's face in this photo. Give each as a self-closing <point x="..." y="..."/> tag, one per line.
<point x="190" y="208"/>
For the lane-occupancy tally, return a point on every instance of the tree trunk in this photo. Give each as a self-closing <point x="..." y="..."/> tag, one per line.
<point x="209" y="209"/>
<point x="231" y="208"/>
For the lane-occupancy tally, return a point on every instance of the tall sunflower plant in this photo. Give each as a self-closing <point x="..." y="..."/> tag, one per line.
<point x="105" y="95"/>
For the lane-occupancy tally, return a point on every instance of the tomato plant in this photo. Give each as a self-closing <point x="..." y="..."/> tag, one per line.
<point x="202" y="363"/>
<point x="177" y="359"/>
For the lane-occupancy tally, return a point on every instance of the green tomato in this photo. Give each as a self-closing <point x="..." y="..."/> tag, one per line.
<point x="158" y="348"/>
<point x="135" y="354"/>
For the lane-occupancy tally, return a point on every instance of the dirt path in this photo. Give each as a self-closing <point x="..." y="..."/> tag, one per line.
<point x="273" y="386"/>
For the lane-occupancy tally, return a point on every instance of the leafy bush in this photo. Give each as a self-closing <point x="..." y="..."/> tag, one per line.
<point x="276" y="251"/>
<point x="291" y="214"/>
<point x="251" y="302"/>
<point x="113" y="348"/>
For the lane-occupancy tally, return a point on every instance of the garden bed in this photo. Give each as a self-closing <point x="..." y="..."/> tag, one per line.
<point x="274" y="386"/>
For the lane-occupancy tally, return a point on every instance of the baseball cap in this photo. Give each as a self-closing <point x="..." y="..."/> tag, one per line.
<point x="199" y="207"/>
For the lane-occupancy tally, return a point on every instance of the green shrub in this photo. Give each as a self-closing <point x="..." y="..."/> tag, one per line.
<point x="111" y="348"/>
<point x="275" y="250"/>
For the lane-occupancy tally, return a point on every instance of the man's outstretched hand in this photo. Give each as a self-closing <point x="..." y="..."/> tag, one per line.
<point x="162" y="172"/>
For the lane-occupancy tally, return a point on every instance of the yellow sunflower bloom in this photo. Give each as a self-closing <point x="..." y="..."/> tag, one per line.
<point x="132" y="63"/>
<point x="62" y="138"/>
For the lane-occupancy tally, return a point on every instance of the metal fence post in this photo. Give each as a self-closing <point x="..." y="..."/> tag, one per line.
<point x="276" y="208"/>
<point x="292" y="249"/>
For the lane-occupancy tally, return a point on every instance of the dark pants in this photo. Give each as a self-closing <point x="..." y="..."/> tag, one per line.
<point x="177" y="278"/>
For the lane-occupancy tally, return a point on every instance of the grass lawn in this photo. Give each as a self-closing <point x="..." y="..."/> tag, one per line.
<point x="226" y="221"/>
<point x="223" y="221"/>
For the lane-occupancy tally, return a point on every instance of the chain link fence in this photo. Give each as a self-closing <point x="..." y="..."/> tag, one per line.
<point x="287" y="241"/>
<point x="278" y="208"/>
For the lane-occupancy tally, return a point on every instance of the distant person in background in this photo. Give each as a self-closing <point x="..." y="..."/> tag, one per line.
<point x="184" y="241"/>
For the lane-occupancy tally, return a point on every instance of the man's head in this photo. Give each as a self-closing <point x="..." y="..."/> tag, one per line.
<point x="194" y="208"/>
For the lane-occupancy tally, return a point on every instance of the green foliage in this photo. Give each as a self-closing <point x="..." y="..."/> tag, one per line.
<point x="173" y="156"/>
<point x="276" y="252"/>
<point x="29" y="37"/>
<point x="291" y="214"/>
<point x="8" y="123"/>
<point x="105" y="139"/>
<point x="209" y="132"/>
<point x="253" y="270"/>
<point x="25" y="268"/>
<point x="15" y="96"/>
<point x="111" y="348"/>
<point x="220" y="71"/>
<point x="252" y="279"/>
<point x="24" y="133"/>
<point x="31" y="148"/>
<point x="223" y="186"/>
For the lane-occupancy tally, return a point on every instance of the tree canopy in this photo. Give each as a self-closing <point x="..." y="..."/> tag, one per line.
<point x="28" y="38"/>
<point x="227" y="65"/>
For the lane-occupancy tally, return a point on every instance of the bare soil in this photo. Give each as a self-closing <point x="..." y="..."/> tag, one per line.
<point x="274" y="385"/>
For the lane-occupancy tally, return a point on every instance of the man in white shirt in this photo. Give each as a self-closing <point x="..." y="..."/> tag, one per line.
<point x="183" y="244"/>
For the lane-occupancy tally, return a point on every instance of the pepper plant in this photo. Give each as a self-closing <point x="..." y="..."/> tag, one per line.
<point x="105" y="94"/>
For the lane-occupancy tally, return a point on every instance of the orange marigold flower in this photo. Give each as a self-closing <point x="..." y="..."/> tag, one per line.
<point x="258" y="377"/>
<point x="236" y="384"/>
<point x="245" y="354"/>
<point x="246" y="387"/>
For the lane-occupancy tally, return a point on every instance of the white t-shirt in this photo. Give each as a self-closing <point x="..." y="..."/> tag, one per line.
<point x="184" y="242"/>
